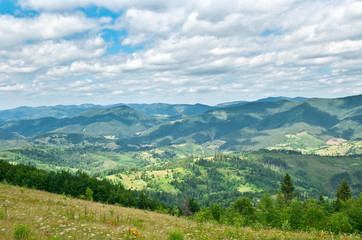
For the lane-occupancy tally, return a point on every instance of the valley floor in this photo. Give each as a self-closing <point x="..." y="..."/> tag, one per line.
<point x="50" y="216"/>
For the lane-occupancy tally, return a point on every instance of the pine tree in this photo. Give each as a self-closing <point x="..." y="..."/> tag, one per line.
<point x="344" y="192"/>
<point x="193" y="205"/>
<point x="287" y="188"/>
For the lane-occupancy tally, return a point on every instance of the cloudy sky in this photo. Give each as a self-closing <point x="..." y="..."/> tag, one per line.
<point x="179" y="51"/>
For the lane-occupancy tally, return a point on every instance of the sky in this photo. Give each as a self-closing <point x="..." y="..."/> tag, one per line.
<point x="179" y="51"/>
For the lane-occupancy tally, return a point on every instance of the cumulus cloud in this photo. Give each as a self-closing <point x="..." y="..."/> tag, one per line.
<point x="14" y="31"/>
<point x="115" y="5"/>
<point x="187" y="51"/>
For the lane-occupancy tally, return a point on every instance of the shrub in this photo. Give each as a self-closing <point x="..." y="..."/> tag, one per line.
<point x="338" y="223"/>
<point x="89" y="194"/>
<point x="204" y="215"/>
<point x="22" y="232"/>
<point x="175" y="236"/>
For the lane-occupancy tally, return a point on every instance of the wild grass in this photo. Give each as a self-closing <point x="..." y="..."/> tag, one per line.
<point x="22" y="232"/>
<point x="39" y="215"/>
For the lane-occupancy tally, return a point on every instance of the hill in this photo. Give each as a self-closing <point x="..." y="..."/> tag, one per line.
<point x="211" y="125"/>
<point x="308" y="144"/>
<point x="66" y="111"/>
<point x="249" y="126"/>
<point x="262" y="124"/>
<point x="59" y="111"/>
<point x="120" y="122"/>
<point x="223" y="178"/>
<point x="41" y="215"/>
<point x="269" y="99"/>
<point x="5" y="135"/>
<point x="171" y="109"/>
<point x="93" y="155"/>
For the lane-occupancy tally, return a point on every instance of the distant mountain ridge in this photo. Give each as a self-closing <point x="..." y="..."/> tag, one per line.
<point x="120" y="121"/>
<point x="64" y="111"/>
<point x="262" y="124"/>
<point x="58" y="111"/>
<point x="269" y="99"/>
<point x="248" y="126"/>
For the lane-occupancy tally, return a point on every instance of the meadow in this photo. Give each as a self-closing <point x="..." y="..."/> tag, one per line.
<point x="33" y="214"/>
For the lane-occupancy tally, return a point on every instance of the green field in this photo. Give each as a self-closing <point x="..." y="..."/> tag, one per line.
<point x="308" y="144"/>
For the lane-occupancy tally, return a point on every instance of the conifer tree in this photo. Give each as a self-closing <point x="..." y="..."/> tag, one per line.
<point x="287" y="188"/>
<point x="344" y="192"/>
<point x="193" y="205"/>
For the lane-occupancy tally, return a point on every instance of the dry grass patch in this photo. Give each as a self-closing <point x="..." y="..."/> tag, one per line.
<point x="51" y="216"/>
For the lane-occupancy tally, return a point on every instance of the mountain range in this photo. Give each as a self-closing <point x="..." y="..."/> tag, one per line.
<point x="63" y="111"/>
<point x="228" y="126"/>
<point x="261" y="124"/>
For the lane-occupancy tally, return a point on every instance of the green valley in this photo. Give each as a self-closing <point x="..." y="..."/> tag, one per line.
<point x="223" y="178"/>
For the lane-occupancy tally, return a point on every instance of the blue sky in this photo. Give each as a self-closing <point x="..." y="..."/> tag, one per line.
<point x="145" y="51"/>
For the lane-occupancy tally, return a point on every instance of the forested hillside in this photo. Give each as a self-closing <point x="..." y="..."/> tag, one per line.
<point x="262" y="124"/>
<point x="120" y="121"/>
<point x="248" y="126"/>
<point x="223" y="178"/>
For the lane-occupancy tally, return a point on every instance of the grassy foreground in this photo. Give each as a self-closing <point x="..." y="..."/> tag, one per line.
<point x="33" y="214"/>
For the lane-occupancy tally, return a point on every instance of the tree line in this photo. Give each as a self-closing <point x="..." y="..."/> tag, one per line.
<point x="78" y="185"/>
<point x="286" y="212"/>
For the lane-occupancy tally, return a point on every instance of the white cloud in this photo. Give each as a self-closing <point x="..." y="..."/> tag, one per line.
<point x="12" y="87"/>
<point x="15" y="31"/>
<point x="50" y="53"/>
<point x="116" y="5"/>
<point x="52" y="57"/>
<point x="210" y="51"/>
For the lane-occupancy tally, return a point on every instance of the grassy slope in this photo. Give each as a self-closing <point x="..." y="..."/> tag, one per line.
<point x="53" y="216"/>
<point x="259" y="172"/>
<point x="92" y="158"/>
<point x="87" y="160"/>
<point x="309" y="144"/>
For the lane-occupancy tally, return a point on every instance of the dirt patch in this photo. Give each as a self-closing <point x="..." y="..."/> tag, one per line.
<point x="335" y="141"/>
<point x="301" y="133"/>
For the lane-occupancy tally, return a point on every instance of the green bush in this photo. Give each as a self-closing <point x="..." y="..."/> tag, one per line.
<point x="22" y="232"/>
<point x="204" y="215"/>
<point x="175" y="236"/>
<point x="338" y="223"/>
